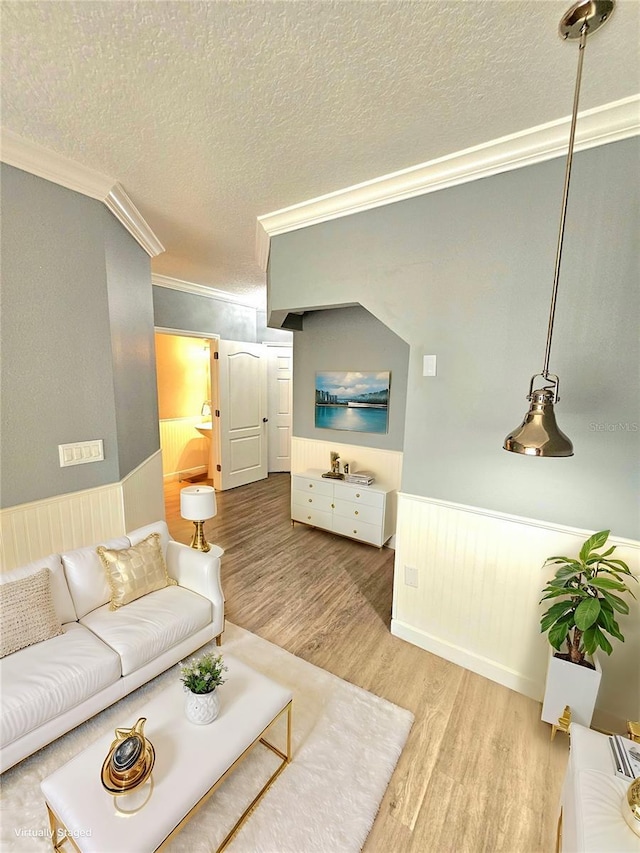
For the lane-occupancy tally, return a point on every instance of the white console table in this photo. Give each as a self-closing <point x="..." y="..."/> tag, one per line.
<point x="591" y="817"/>
<point x="365" y="513"/>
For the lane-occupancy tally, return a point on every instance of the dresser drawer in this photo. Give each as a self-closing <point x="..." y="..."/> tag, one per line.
<point x="311" y="500"/>
<point x="312" y="516"/>
<point x="317" y="487"/>
<point x="370" y="533"/>
<point x="358" y="512"/>
<point x="359" y="494"/>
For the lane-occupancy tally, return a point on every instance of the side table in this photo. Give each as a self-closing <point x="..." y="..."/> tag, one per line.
<point x="591" y="818"/>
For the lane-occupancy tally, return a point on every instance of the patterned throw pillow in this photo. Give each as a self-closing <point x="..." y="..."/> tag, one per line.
<point x="136" y="571"/>
<point x="27" y="614"/>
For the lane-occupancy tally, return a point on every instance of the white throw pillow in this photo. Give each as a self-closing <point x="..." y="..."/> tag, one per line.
<point x="27" y="614"/>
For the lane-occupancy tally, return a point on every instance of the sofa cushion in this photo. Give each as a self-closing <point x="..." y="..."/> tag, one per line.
<point x="150" y="625"/>
<point x="86" y="577"/>
<point x="27" y="614"/>
<point x="43" y="681"/>
<point x="135" y="571"/>
<point x="157" y="527"/>
<point x="59" y="590"/>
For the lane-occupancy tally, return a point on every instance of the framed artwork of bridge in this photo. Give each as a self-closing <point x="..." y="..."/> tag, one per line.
<point x="353" y="400"/>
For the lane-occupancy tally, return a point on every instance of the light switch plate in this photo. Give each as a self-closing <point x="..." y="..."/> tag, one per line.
<point x="81" y="452"/>
<point x="429" y="365"/>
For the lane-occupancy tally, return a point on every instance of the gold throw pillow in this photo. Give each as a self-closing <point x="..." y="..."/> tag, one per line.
<point x="136" y="571"/>
<point x="27" y="614"/>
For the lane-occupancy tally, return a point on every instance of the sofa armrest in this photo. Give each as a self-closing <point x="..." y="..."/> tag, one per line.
<point x="198" y="571"/>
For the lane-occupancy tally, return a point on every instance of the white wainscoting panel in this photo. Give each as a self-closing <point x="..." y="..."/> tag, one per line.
<point x="60" y="523"/>
<point x="309" y="453"/>
<point x="33" y="530"/>
<point x="480" y="579"/>
<point x="142" y="493"/>
<point x="184" y="450"/>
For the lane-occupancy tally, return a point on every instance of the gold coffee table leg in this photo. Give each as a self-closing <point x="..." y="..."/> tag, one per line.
<point x="285" y="759"/>
<point x="59" y="834"/>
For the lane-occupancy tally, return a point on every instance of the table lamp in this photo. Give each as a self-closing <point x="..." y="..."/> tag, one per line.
<point x="198" y="504"/>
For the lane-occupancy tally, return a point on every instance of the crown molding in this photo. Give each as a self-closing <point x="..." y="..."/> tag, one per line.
<point x="263" y="242"/>
<point x="198" y="290"/>
<point x="609" y="123"/>
<point x="32" y="157"/>
<point x="128" y="214"/>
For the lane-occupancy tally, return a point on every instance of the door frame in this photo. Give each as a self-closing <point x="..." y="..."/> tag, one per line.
<point x="214" y="441"/>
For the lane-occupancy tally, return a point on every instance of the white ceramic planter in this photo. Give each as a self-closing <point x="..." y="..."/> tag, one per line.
<point x="202" y="708"/>
<point x="573" y="685"/>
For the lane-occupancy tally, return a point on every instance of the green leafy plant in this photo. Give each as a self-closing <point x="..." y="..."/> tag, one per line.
<point x="203" y="674"/>
<point x="589" y="587"/>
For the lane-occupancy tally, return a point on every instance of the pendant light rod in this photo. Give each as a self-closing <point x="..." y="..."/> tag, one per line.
<point x="539" y="434"/>
<point x="565" y="196"/>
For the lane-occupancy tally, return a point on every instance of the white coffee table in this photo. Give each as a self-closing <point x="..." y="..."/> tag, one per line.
<point x="191" y="762"/>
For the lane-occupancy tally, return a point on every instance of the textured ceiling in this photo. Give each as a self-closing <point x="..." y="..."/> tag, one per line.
<point x="213" y="113"/>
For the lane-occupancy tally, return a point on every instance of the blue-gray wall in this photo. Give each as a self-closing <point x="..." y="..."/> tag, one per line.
<point x="348" y="339"/>
<point x="466" y="274"/>
<point x="189" y="312"/>
<point x="175" y="309"/>
<point x="76" y="341"/>
<point x="132" y="346"/>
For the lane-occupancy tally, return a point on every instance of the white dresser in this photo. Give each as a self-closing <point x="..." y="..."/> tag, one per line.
<point x="366" y="513"/>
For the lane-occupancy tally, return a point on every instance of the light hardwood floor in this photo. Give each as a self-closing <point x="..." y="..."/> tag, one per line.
<point x="479" y="771"/>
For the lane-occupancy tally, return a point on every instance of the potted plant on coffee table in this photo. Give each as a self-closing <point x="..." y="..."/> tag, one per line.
<point x="586" y="591"/>
<point x="201" y="677"/>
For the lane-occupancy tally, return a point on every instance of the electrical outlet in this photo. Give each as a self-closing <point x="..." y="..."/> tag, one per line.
<point x="411" y="576"/>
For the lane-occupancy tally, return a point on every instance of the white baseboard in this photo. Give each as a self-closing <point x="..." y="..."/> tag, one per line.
<point x="464" y="657"/>
<point x="179" y="476"/>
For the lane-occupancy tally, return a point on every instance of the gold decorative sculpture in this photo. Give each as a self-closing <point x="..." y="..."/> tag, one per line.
<point x="631" y="806"/>
<point x="563" y="722"/>
<point x="130" y="760"/>
<point x="633" y="729"/>
<point x="334" y="472"/>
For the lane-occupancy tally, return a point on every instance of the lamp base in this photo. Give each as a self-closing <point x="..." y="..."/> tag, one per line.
<point x="199" y="542"/>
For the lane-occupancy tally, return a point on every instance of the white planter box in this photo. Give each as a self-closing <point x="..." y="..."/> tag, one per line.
<point x="572" y="685"/>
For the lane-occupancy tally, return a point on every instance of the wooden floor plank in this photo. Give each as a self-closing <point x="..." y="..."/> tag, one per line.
<point x="479" y="772"/>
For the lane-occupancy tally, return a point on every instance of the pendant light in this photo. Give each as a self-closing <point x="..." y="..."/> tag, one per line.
<point x="539" y="434"/>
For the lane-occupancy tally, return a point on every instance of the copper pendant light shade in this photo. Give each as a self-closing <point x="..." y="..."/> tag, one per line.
<point x="539" y="434"/>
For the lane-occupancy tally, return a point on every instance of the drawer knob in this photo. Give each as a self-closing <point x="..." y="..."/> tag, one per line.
<point x="355" y="531"/>
<point x="310" y="500"/>
<point x="333" y="506"/>
<point x="357" y="494"/>
<point x="356" y="512"/>
<point x="310" y="485"/>
<point x="309" y="517"/>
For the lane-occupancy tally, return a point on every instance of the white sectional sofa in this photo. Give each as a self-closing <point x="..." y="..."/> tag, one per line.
<point x="52" y="686"/>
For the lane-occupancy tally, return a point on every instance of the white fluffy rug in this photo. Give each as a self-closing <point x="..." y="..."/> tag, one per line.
<point x="346" y="743"/>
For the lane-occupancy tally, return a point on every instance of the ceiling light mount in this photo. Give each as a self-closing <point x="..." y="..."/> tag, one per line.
<point x="539" y="434"/>
<point x="593" y="13"/>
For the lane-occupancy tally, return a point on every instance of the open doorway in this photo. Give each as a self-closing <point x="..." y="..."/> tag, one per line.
<point x="183" y="364"/>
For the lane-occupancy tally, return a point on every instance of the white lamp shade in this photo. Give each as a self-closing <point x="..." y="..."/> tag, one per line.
<point x="198" y="503"/>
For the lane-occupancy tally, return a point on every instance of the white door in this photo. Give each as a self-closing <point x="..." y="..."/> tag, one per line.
<point x="280" y="397"/>
<point x="242" y="389"/>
